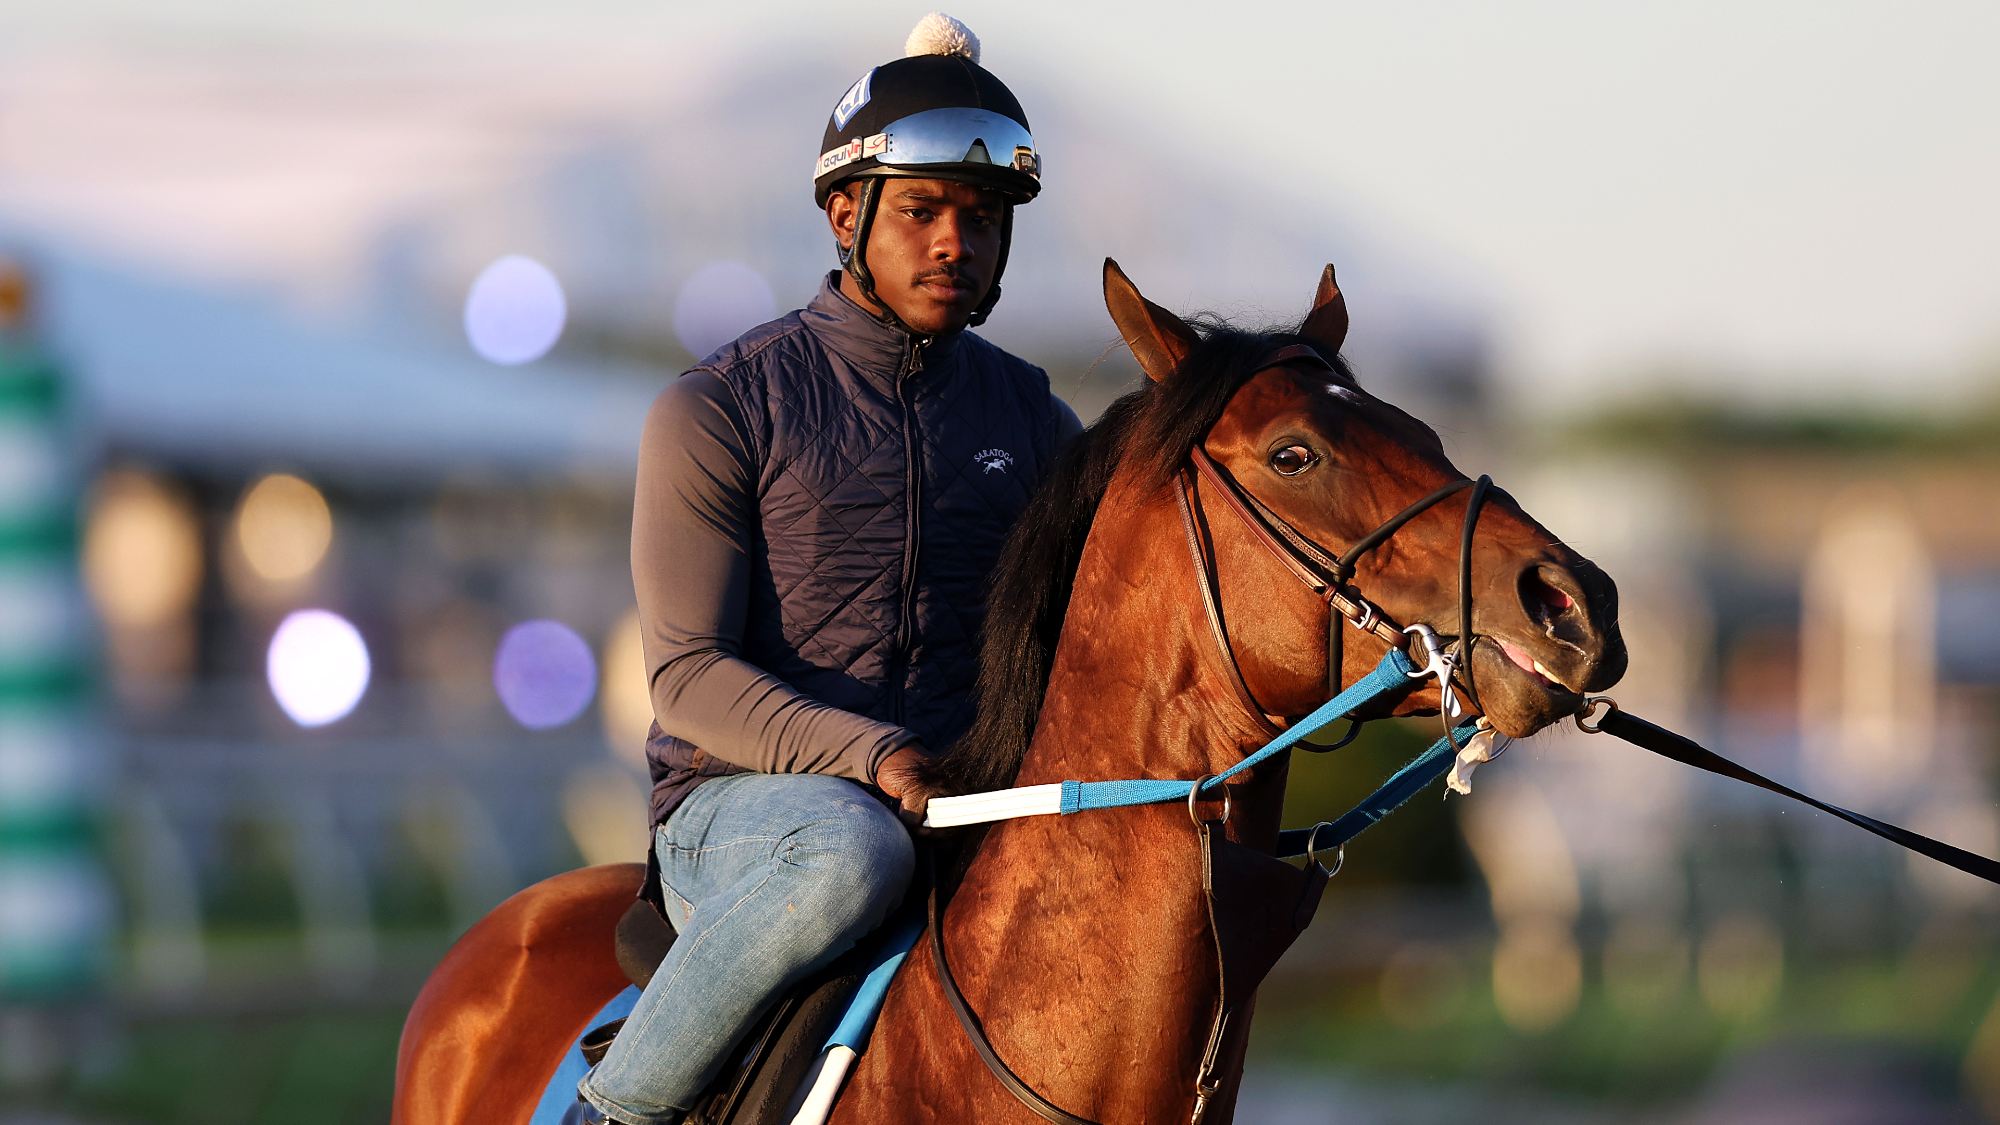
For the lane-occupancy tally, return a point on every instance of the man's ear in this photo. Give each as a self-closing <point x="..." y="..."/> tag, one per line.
<point x="1159" y="340"/>
<point x="1326" y="324"/>
<point x="842" y="214"/>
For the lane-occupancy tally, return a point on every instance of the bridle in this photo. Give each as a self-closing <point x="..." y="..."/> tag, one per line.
<point x="1329" y="576"/>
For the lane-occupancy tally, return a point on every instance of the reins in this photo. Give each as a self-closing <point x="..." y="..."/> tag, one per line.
<point x="1329" y="577"/>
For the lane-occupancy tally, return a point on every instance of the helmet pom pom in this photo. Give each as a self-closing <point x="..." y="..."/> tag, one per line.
<point x="939" y="34"/>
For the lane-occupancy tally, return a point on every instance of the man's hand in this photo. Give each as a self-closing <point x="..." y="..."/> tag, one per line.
<point x="903" y="777"/>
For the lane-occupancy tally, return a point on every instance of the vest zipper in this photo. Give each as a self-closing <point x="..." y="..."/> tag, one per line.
<point x="912" y="497"/>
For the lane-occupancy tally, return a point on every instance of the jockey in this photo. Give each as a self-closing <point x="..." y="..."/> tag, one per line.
<point x="818" y="506"/>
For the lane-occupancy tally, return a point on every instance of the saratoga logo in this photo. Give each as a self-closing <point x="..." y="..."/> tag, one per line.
<point x="994" y="460"/>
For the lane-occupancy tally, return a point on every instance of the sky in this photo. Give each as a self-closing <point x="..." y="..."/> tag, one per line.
<point x="1780" y="200"/>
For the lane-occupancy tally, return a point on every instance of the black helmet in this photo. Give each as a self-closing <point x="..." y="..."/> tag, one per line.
<point x="935" y="114"/>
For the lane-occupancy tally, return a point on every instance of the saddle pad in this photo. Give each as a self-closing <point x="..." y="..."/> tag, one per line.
<point x="763" y="1076"/>
<point x="561" y="1091"/>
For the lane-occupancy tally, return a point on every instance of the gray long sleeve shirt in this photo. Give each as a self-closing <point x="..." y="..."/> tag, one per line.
<point x="817" y="508"/>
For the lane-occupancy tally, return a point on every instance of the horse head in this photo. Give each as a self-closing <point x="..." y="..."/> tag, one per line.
<point x="1322" y="460"/>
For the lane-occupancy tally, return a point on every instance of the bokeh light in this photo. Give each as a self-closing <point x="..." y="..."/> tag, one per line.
<point x="283" y="528"/>
<point x="515" y="311"/>
<point x="626" y="702"/>
<point x="317" y="667"/>
<point x="604" y="810"/>
<point x="544" y="674"/>
<point x="1537" y="975"/>
<point x="718" y="303"/>
<point x="142" y="555"/>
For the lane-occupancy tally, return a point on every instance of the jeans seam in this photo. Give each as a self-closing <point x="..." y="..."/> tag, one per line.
<point x="790" y="839"/>
<point x="706" y="848"/>
<point x="584" y="1091"/>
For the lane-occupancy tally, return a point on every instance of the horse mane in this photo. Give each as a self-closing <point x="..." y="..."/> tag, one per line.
<point x="1154" y="427"/>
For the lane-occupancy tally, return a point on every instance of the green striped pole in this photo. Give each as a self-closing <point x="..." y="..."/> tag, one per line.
<point x="56" y="919"/>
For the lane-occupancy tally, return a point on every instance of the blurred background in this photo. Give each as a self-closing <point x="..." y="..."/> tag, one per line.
<point x="326" y="332"/>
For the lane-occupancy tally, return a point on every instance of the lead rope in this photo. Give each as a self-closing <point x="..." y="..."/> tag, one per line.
<point x="1680" y="748"/>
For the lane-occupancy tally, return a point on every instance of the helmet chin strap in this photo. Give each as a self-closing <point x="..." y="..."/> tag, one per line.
<point x="992" y="297"/>
<point x="854" y="259"/>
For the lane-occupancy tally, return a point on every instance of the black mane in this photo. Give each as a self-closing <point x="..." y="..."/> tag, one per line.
<point x="1156" y="426"/>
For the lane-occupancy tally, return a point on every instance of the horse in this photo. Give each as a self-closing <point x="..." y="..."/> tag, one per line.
<point x="1133" y="630"/>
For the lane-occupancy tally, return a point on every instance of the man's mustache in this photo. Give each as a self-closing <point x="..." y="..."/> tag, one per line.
<point x="950" y="274"/>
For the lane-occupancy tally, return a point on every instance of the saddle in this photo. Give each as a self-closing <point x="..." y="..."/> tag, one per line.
<point x="764" y="1077"/>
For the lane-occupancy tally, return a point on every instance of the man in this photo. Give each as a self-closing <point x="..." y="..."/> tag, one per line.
<point x="818" y="506"/>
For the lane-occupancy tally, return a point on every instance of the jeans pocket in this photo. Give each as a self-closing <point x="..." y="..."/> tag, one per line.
<point x="679" y="910"/>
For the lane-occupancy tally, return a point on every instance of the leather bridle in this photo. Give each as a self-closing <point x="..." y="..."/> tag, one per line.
<point x="1329" y="576"/>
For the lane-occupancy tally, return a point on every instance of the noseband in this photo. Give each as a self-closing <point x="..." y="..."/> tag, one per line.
<point x="1329" y="576"/>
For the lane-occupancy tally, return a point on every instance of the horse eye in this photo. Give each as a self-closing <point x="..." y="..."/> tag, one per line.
<point x="1292" y="460"/>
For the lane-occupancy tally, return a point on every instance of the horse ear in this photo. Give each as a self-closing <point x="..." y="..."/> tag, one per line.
<point x="1326" y="324"/>
<point x="1159" y="340"/>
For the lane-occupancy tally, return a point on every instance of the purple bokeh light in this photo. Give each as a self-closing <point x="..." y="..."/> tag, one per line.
<point x="515" y="310"/>
<point x="544" y="673"/>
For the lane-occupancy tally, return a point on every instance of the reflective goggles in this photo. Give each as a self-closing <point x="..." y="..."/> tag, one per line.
<point x="952" y="135"/>
<point x="956" y="136"/>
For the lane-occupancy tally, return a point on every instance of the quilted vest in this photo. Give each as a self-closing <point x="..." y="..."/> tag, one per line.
<point x="887" y="481"/>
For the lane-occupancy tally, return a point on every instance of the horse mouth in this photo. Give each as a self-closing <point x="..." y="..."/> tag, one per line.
<point x="1527" y="663"/>
<point x="1538" y="696"/>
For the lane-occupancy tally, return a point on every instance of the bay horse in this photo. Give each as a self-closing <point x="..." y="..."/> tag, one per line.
<point x="1081" y="941"/>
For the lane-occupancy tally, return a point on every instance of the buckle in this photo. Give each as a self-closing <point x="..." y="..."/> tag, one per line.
<point x="1439" y="662"/>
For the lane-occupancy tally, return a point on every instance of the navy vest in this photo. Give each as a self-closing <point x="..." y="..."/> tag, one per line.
<point x="887" y="481"/>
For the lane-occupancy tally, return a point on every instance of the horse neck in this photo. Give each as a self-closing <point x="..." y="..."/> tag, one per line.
<point x="1136" y="687"/>
<point x="1105" y="909"/>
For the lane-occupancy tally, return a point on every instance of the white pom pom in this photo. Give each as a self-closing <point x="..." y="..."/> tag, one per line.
<point x="939" y="34"/>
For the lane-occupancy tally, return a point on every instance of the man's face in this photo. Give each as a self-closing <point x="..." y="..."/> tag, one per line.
<point x="931" y="248"/>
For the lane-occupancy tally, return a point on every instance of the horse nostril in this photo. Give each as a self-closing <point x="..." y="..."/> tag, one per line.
<point x="1545" y="601"/>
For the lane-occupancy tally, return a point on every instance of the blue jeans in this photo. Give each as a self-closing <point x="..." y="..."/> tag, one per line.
<point x="767" y="877"/>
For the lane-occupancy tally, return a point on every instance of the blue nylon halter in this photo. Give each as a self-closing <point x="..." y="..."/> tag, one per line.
<point x="1392" y="674"/>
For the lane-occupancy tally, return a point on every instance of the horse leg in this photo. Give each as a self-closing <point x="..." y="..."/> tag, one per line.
<point x="498" y="1013"/>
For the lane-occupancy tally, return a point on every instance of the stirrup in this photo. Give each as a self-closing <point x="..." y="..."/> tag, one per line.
<point x="597" y="1040"/>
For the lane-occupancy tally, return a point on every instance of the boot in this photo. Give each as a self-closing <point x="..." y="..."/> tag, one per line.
<point x="583" y="1113"/>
